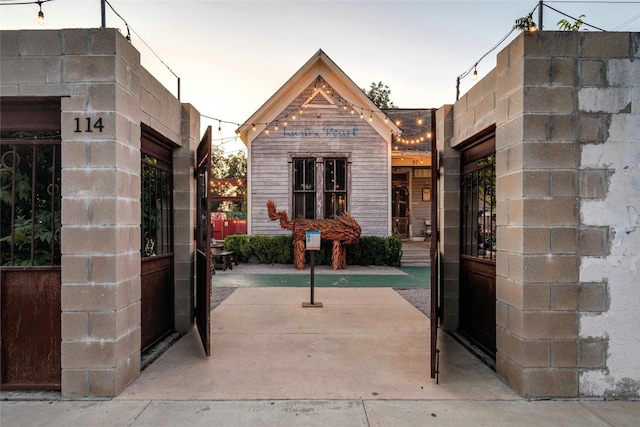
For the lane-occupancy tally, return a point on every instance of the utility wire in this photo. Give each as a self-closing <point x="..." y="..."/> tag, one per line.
<point x="627" y="22"/>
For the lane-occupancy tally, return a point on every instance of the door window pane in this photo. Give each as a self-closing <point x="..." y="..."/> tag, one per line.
<point x="479" y="209"/>
<point x="157" y="206"/>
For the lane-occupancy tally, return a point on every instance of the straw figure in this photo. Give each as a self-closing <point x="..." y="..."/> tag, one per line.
<point x="343" y="230"/>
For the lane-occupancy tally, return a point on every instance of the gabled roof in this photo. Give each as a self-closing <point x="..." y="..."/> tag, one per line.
<point x="319" y="65"/>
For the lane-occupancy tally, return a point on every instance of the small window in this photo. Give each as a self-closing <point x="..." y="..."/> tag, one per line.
<point x="304" y="189"/>
<point x="335" y="187"/>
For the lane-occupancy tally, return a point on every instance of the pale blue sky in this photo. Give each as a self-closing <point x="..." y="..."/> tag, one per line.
<point x="232" y="56"/>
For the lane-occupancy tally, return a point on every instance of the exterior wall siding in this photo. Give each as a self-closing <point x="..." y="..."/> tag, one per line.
<point x="98" y="75"/>
<point x="367" y="153"/>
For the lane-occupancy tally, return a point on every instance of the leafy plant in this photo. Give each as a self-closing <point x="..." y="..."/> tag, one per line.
<point x="368" y="250"/>
<point x="565" y="25"/>
<point x="379" y="94"/>
<point x="525" y="23"/>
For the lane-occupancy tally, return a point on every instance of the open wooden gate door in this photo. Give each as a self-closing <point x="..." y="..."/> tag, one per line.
<point x="435" y="259"/>
<point x="203" y="237"/>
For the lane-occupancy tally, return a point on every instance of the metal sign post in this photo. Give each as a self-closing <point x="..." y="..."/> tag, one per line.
<point x="312" y="244"/>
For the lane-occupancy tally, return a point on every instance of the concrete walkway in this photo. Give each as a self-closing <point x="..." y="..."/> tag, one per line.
<point x="362" y="360"/>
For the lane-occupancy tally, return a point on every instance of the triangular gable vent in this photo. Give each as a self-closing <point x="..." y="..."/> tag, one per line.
<point x="319" y="99"/>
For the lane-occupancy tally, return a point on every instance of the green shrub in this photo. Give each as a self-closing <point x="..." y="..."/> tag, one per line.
<point x="368" y="250"/>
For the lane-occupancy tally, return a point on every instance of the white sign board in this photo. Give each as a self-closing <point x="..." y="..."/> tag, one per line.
<point x="313" y="240"/>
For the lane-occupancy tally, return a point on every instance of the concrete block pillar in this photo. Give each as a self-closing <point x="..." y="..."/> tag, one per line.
<point x="448" y="216"/>
<point x="184" y="203"/>
<point x="100" y="231"/>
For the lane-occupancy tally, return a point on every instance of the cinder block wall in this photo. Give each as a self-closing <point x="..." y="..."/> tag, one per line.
<point x="99" y="77"/>
<point x="608" y="101"/>
<point x="566" y="115"/>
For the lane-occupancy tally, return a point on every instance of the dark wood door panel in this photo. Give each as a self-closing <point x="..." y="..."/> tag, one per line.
<point x="31" y="328"/>
<point x="478" y="303"/>
<point x="156" y="299"/>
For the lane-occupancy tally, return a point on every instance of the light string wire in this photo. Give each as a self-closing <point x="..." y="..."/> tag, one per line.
<point x="569" y="16"/>
<point x="411" y="138"/>
<point x="530" y="15"/>
<point x="474" y="66"/>
<point x="365" y="113"/>
<point x="141" y="39"/>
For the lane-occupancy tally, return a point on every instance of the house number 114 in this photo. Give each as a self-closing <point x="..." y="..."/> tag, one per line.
<point x="90" y="125"/>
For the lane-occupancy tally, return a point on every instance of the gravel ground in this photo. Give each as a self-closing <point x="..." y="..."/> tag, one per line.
<point x="420" y="298"/>
<point x="220" y="294"/>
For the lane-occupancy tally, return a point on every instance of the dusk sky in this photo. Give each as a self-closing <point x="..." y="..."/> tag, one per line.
<point x="231" y="56"/>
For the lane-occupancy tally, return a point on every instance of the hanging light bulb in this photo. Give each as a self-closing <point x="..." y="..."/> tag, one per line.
<point x="386" y="119"/>
<point x="371" y="117"/>
<point x="361" y="116"/>
<point x="532" y="28"/>
<point x="266" y="130"/>
<point x="276" y="128"/>
<point x="429" y="135"/>
<point x="219" y="127"/>
<point x="285" y="121"/>
<point x="40" y="14"/>
<point x="420" y="120"/>
<point x="253" y="126"/>
<point x="475" y="74"/>
<point x="352" y="110"/>
<point x="397" y="122"/>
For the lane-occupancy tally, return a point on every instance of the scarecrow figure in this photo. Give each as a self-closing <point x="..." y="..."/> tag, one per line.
<point x="343" y="230"/>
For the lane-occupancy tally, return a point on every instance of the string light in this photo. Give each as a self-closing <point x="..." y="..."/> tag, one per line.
<point x="40" y="14"/>
<point x="475" y="74"/>
<point x="274" y="125"/>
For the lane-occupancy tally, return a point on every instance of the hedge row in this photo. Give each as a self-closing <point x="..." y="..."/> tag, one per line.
<point x="368" y="250"/>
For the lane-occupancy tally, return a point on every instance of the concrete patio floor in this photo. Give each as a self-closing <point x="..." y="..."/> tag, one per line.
<point x="362" y="360"/>
<point x="363" y="344"/>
